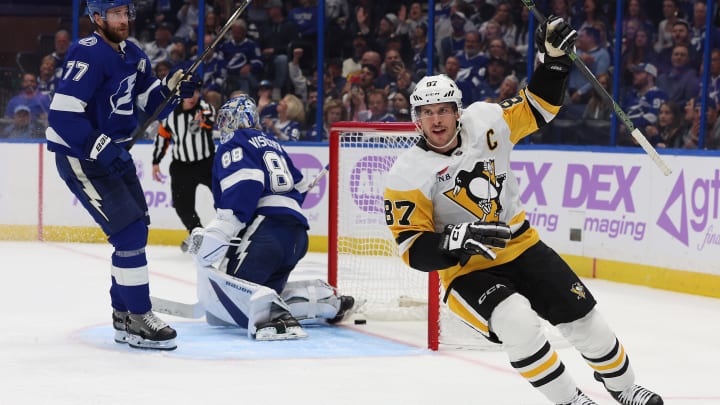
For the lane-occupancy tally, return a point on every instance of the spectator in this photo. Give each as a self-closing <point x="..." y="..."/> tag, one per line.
<point x="354" y="100"/>
<point x="504" y="18"/>
<point x="671" y="14"/>
<point x="359" y="47"/>
<point x="23" y="126"/>
<point x="408" y="20"/>
<point x="591" y="15"/>
<point x="189" y="19"/>
<point x="405" y="81"/>
<point x="472" y="57"/>
<point x="639" y="51"/>
<point x="213" y="68"/>
<point x="483" y="11"/>
<point x="595" y="57"/>
<point x="714" y="80"/>
<point x="336" y="15"/>
<point x="491" y="31"/>
<point x="62" y="44"/>
<point x="712" y="125"/>
<point x="242" y="59"/>
<point x="275" y="37"/>
<point x="680" y="36"/>
<point x="697" y="37"/>
<point x="518" y="47"/>
<point x="29" y="96"/>
<point x="462" y="79"/>
<point x="508" y="89"/>
<point x="392" y="66"/>
<point x="668" y="133"/>
<point x="561" y="8"/>
<point x="162" y="69"/>
<point x="290" y="117"/>
<point x="400" y="105"/>
<point x="368" y="76"/>
<point x="178" y="55"/>
<point x="455" y="42"/>
<point x="597" y="115"/>
<point x="266" y="107"/>
<point x="642" y="103"/>
<point x="305" y="17"/>
<point x="636" y="12"/>
<point x="377" y="108"/>
<point x="159" y="49"/>
<point x="681" y="81"/>
<point x="420" y="63"/>
<point x="497" y="70"/>
<point x="333" y="111"/>
<point x="46" y="80"/>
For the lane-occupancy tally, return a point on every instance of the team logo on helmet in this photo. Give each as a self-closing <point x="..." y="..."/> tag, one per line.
<point x="238" y="112"/>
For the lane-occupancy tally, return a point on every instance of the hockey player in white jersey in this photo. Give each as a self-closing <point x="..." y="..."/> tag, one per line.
<point x="452" y="203"/>
<point x="93" y="114"/>
<point x="259" y="234"/>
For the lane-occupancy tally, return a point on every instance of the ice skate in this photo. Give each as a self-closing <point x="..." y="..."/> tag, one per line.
<point x="346" y="304"/>
<point x="118" y="318"/>
<point x="282" y="327"/>
<point x="147" y="331"/>
<point x="635" y="395"/>
<point x="581" y="399"/>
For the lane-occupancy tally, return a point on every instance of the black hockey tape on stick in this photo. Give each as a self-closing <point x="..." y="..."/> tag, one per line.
<point x="139" y="131"/>
<point x="169" y="307"/>
<point x="635" y="132"/>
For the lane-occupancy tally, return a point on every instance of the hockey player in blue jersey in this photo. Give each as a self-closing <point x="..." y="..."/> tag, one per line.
<point x="91" y="121"/>
<point x="259" y="234"/>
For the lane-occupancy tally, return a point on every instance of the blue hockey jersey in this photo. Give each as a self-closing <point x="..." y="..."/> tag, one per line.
<point x="98" y="93"/>
<point x="253" y="175"/>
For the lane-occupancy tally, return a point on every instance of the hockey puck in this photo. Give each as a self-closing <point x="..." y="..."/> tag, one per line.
<point x="360" y="322"/>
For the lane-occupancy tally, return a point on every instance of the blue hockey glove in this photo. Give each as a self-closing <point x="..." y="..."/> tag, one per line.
<point x="183" y="88"/>
<point x="111" y="156"/>
<point x="474" y="238"/>
<point x="555" y="38"/>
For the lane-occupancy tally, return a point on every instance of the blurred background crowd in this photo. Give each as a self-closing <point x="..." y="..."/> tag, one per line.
<point x="657" y="67"/>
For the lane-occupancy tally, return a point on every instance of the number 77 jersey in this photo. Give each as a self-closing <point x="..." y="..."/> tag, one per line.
<point x="253" y="175"/>
<point x="425" y="190"/>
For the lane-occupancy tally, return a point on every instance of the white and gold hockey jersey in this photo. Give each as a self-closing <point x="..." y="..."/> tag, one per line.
<point x="426" y="190"/>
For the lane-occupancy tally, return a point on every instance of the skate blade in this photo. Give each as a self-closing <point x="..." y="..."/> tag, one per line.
<point x="138" y="342"/>
<point x="270" y="334"/>
<point x="121" y="336"/>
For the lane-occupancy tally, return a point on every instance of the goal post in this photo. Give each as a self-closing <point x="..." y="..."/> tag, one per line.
<point x="363" y="257"/>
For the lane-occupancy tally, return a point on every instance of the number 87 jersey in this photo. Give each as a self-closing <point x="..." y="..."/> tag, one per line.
<point x="253" y="175"/>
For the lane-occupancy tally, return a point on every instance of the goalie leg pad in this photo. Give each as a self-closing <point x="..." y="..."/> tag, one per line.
<point x="594" y="339"/>
<point x="519" y="327"/>
<point x="311" y="299"/>
<point x="236" y="301"/>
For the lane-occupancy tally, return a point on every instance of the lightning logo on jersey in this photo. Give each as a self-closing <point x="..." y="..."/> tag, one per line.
<point x="478" y="191"/>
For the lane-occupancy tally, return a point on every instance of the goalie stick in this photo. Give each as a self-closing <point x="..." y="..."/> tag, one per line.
<point x="635" y="132"/>
<point x="139" y="131"/>
<point x="170" y="307"/>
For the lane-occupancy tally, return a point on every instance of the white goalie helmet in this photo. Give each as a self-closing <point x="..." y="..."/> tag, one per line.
<point x="238" y="112"/>
<point x="433" y="90"/>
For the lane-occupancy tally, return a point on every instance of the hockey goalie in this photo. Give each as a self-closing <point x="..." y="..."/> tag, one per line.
<point x="258" y="236"/>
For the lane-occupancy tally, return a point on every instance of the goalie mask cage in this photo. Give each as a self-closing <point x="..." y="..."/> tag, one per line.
<point x="363" y="259"/>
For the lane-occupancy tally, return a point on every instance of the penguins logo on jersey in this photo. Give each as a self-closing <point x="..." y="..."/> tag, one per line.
<point x="478" y="191"/>
<point x="122" y="100"/>
<point x="578" y="289"/>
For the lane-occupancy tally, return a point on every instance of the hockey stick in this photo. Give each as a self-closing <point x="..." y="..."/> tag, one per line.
<point x="314" y="182"/>
<point x="139" y="131"/>
<point x="635" y="132"/>
<point x="192" y="311"/>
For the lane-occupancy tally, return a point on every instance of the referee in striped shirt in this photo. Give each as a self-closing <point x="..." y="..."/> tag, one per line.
<point x="189" y="129"/>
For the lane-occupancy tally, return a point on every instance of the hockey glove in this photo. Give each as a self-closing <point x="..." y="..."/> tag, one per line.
<point x="184" y="88"/>
<point x="111" y="156"/>
<point x="210" y="244"/>
<point x="474" y="238"/>
<point x="555" y="38"/>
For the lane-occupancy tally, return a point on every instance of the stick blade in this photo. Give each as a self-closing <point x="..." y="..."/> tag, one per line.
<point x="169" y="307"/>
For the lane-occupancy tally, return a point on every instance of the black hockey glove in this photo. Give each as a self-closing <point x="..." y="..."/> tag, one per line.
<point x="555" y="38"/>
<point x="474" y="238"/>
<point x="111" y="156"/>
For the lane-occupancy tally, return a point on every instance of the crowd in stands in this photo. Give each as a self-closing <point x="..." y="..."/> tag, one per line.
<point x="376" y="51"/>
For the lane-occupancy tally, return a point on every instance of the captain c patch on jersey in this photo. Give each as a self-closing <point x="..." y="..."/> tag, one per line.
<point x="478" y="191"/>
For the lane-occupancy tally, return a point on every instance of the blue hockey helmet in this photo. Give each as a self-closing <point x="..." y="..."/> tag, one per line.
<point x="238" y="112"/>
<point x="102" y="6"/>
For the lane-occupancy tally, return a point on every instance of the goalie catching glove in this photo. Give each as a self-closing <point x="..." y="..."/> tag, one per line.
<point x="208" y="245"/>
<point x="555" y="39"/>
<point x="474" y="238"/>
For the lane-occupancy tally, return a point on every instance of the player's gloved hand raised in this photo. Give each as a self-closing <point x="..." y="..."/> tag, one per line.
<point x="555" y="38"/>
<point x="110" y="155"/>
<point x="183" y="88"/>
<point x="474" y="238"/>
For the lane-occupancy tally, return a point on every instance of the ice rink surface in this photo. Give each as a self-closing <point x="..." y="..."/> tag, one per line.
<point x="56" y="346"/>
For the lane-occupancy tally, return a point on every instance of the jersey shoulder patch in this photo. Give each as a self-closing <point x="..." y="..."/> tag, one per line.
<point x="89" y="41"/>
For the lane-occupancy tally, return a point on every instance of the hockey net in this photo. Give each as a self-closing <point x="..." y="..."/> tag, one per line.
<point x="363" y="258"/>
